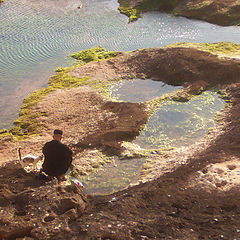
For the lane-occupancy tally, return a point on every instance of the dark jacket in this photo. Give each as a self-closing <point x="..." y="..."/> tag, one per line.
<point x="57" y="158"/>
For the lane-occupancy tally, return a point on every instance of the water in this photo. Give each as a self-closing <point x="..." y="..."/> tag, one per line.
<point x="140" y="90"/>
<point x="36" y="36"/>
<point x="113" y="177"/>
<point x="174" y="124"/>
<point x="177" y="124"/>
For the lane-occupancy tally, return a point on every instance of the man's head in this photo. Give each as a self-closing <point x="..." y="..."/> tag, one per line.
<point x="57" y="134"/>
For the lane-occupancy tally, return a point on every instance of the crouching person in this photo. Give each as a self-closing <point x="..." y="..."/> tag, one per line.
<point x="57" y="157"/>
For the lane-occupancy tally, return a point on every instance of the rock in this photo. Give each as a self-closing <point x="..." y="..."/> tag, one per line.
<point x="15" y="231"/>
<point x="27" y="213"/>
<point x="222" y="12"/>
<point x="65" y="204"/>
<point x="49" y="218"/>
<point x="5" y="195"/>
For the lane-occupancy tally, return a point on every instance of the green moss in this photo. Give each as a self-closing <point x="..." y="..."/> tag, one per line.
<point x="132" y="13"/>
<point x="221" y="47"/>
<point x="225" y="48"/>
<point x="93" y="54"/>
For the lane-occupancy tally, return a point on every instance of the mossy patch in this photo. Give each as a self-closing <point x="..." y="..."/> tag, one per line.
<point x="93" y="54"/>
<point x="221" y="48"/>
<point x="175" y="123"/>
<point x="29" y="122"/>
<point x="132" y="13"/>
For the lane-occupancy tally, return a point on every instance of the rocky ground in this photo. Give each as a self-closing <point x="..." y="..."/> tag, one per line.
<point x="187" y="193"/>
<point x="222" y="12"/>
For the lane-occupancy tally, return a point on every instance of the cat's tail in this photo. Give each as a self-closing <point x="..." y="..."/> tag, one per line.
<point x="19" y="154"/>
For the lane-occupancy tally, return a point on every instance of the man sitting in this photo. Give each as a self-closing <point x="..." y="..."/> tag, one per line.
<point x="57" y="157"/>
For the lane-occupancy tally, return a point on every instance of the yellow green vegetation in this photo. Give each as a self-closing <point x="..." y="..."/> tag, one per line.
<point x="183" y="121"/>
<point x="153" y="105"/>
<point x="28" y="122"/>
<point x="93" y="54"/>
<point x="221" y="48"/>
<point x="126" y="9"/>
<point x="132" y="13"/>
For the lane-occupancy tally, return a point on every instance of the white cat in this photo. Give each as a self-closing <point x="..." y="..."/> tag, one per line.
<point x="29" y="162"/>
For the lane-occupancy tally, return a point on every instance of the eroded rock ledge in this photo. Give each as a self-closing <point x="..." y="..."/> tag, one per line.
<point x="222" y="12"/>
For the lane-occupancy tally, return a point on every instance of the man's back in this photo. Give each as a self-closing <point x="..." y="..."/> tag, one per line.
<point x="57" y="158"/>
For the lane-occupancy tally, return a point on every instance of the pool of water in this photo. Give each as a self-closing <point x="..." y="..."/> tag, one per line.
<point x="36" y="36"/>
<point x="174" y="124"/>
<point x="177" y="124"/>
<point x="113" y="177"/>
<point x="140" y="90"/>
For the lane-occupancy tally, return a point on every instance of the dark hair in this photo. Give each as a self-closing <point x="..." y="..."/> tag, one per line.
<point x="57" y="131"/>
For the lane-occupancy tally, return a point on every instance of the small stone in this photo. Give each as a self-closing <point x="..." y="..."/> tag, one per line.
<point x="49" y="218"/>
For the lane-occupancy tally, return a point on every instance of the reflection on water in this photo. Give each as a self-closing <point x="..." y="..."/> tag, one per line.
<point x="36" y="36"/>
<point x="140" y="90"/>
<point x="113" y="177"/>
<point x="180" y="124"/>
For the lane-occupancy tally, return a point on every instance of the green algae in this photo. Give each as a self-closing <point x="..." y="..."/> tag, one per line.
<point x="174" y="123"/>
<point x="113" y="177"/>
<point x="93" y="54"/>
<point x="29" y="122"/>
<point x="126" y="9"/>
<point x="132" y="13"/>
<point x="221" y="48"/>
